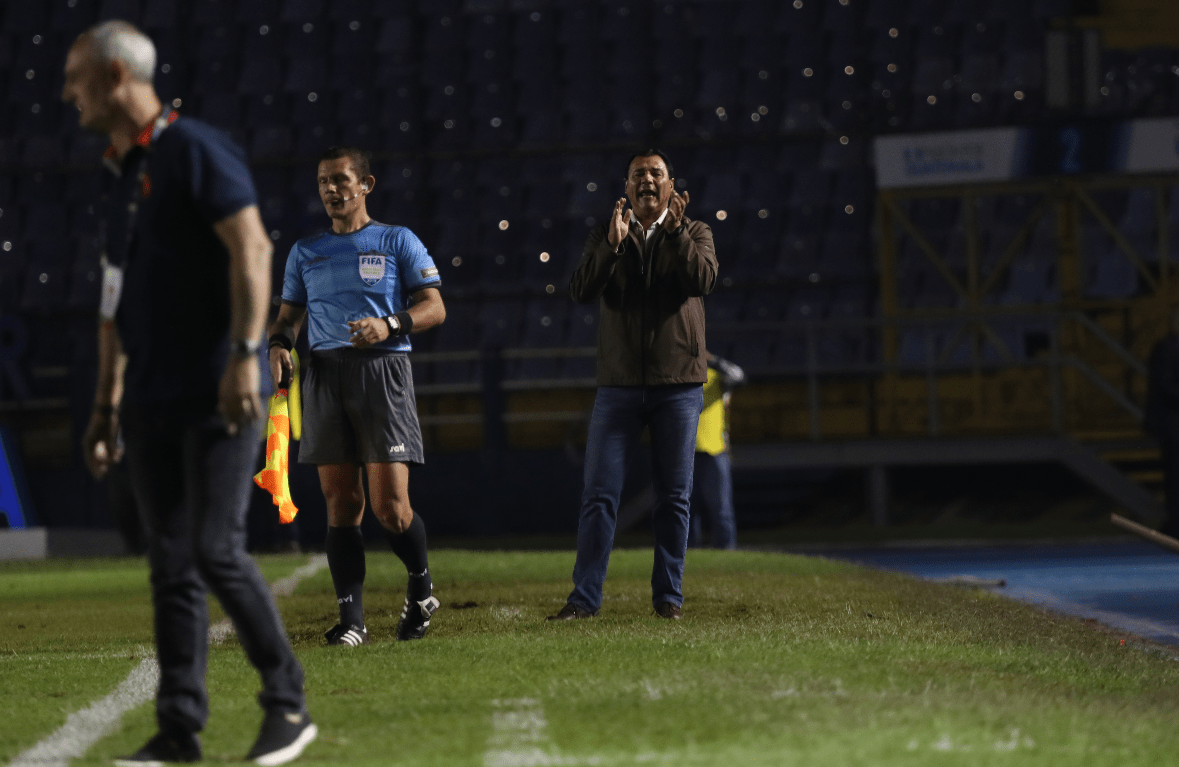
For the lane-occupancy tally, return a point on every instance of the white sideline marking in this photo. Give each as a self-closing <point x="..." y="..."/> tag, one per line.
<point x="518" y="737"/>
<point x="82" y="729"/>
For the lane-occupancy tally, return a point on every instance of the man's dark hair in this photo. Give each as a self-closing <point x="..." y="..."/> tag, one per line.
<point x="358" y="156"/>
<point x="651" y="153"/>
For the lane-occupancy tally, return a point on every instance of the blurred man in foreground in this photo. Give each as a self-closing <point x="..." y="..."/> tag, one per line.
<point x="182" y="321"/>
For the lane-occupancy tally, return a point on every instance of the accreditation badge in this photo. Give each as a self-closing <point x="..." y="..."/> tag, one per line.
<point x="372" y="268"/>
<point x="112" y="290"/>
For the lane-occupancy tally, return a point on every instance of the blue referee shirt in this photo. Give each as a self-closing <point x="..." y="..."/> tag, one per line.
<point x="371" y="272"/>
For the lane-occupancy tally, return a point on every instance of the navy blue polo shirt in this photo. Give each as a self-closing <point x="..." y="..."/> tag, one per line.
<point x="173" y="316"/>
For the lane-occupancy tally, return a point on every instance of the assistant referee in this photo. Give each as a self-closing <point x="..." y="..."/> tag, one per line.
<point x="364" y="286"/>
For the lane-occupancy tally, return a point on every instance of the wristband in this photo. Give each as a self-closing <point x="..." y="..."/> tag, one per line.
<point x="278" y="339"/>
<point x="104" y="409"/>
<point x="399" y="324"/>
<point x="406" y="322"/>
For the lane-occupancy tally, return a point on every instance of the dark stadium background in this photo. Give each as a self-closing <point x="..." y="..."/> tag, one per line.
<point x="500" y="130"/>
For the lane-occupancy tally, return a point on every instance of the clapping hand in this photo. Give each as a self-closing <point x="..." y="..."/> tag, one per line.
<point x="619" y="223"/>
<point x="675" y="211"/>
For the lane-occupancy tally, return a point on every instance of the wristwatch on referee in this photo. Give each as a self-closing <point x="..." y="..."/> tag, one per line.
<point x="400" y="324"/>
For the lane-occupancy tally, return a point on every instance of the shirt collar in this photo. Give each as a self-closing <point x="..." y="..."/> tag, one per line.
<point x="147" y="137"/>
<point x="657" y="222"/>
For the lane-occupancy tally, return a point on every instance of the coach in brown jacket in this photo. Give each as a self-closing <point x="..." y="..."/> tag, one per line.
<point x="648" y="269"/>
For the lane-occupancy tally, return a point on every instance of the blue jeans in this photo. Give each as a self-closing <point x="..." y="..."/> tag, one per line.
<point x="712" y="497"/>
<point x="192" y="483"/>
<point x="620" y="413"/>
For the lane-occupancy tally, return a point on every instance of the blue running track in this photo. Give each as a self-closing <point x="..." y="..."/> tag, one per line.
<point x="1130" y="585"/>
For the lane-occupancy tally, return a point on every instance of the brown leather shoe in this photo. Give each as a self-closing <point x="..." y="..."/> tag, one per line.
<point x="571" y="612"/>
<point x="668" y="610"/>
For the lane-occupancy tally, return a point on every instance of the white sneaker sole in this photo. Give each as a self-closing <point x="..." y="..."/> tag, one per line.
<point x="291" y="752"/>
<point x="129" y="763"/>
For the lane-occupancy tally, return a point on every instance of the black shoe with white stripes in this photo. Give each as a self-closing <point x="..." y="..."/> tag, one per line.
<point x="162" y="749"/>
<point x="282" y="738"/>
<point x="415" y="618"/>
<point x="352" y="635"/>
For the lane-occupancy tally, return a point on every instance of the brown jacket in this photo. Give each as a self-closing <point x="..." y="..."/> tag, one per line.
<point x="652" y="326"/>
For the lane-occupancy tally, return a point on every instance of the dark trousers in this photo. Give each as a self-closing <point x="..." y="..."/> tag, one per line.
<point x="620" y="413"/>
<point x="712" y="497"/>
<point x="192" y="484"/>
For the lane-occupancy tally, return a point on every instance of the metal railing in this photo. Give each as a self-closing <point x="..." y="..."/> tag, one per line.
<point x="928" y="347"/>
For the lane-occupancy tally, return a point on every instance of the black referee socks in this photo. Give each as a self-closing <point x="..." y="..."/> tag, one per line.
<point x="410" y="548"/>
<point x="345" y="555"/>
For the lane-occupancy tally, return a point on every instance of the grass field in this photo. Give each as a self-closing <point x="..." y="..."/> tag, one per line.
<point x="779" y="660"/>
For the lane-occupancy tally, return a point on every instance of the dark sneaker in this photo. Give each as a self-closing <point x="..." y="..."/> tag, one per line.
<point x="571" y="612"/>
<point x="282" y="738"/>
<point x="351" y="635"/>
<point x="415" y="618"/>
<point x="164" y="748"/>
<point x="668" y="610"/>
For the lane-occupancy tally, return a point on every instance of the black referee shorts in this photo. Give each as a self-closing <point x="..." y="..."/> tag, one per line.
<point x="359" y="407"/>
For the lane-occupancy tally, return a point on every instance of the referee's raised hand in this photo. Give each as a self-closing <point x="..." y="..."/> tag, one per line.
<point x="619" y="223"/>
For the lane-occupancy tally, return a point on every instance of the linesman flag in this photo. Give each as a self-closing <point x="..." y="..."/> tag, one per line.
<point x="284" y="422"/>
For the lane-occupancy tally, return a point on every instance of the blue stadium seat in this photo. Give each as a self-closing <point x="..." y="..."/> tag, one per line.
<point x="582" y="329"/>
<point x="544" y="327"/>
<point x="267" y="109"/>
<point x="26" y="17"/>
<point x="489" y="31"/>
<point x="43" y="151"/>
<point x="395" y="35"/>
<point x="299" y="11"/>
<point x="444" y="32"/>
<point x="121" y="9"/>
<point x="271" y="142"/>
<point x="534" y="27"/>
<point x="449" y="100"/>
<point x="754" y="18"/>
<point x="499" y="324"/>
<point x="722" y="191"/>
<point x="85" y="285"/>
<point x="307" y="38"/>
<point x="547" y="199"/>
<point x="886" y="13"/>
<point x="306" y="74"/>
<point x="258" y="76"/>
<point x="578" y="22"/>
<point x="501" y="202"/>
<point x="756" y="256"/>
<point x="458" y="333"/>
<point x="44" y="288"/>
<point x="72" y="18"/>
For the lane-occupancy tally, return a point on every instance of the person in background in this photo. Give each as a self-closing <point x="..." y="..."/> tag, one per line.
<point x="648" y="270"/>
<point x="1161" y="418"/>
<point x="712" y="485"/>
<point x="363" y="287"/>
<point x="178" y="367"/>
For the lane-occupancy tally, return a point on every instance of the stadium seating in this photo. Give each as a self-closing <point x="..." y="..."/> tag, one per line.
<point x="501" y="131"/>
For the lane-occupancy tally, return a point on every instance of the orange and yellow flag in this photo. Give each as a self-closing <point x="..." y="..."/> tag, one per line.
<point x="283" y="420"/>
